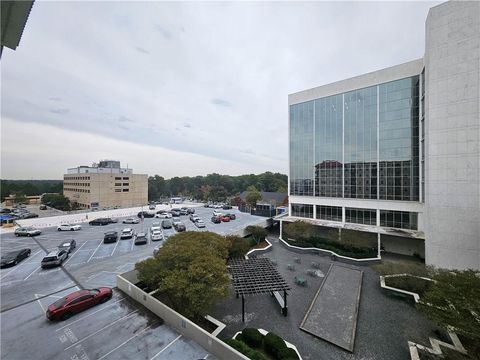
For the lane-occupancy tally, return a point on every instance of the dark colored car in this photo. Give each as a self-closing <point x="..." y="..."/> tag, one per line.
<point x="110" y="237"/>
<point x="146" y="214"/>
<point x="76" y="302"/>
<point x="5" y="211"/>
<point x="29" y="216"/>
<point x="167" y="224"/>
<point x="183" y="211"/>
<point x="216" y="219"/>
<point x="191" y="210"/>
<point x="231" y="216"/>
<point x="14" y="257"/>
<point x="179" y="226"/>
<point x="101" y="221"/>
<point x="226" y="207"/>
<point x="175" y="212"/>
<point x="43" y="207"/>
<point x="68" y="245"/>
<point x="141" y="239"/>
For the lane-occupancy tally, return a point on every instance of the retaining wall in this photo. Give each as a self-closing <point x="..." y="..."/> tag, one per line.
<point x="126" y="283"/>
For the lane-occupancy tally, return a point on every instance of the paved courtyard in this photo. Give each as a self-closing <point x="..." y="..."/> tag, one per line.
<point x="384" y="326"/>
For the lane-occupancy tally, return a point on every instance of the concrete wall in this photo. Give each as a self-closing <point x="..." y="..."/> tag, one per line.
<point x="403" y="245"/>
<point x="126" y="281"/>
<point x="452" y="177"/>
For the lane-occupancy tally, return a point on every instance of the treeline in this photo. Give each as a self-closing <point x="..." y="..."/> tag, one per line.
<point x="214" y="187"/>
<point x="29" y="187"/>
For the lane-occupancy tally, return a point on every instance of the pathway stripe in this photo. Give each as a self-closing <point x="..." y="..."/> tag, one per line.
<point x="165" y="348"/>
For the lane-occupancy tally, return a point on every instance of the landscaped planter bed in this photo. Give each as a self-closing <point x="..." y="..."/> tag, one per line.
<point x="336" y="247"/>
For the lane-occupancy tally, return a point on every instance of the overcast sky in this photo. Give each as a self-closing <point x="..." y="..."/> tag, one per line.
<point x="183" y="89"/>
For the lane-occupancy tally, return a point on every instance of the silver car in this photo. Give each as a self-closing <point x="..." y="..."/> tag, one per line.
<point x="54" y="258"/>
<point x="27" y="231"/>
<point x="199" y="223"/>
<point x="131" y="221"/>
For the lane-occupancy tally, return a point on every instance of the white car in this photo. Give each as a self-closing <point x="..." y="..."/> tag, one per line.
<point x="156" y="235"/>
<point x="126" y="233"/>
<point x="156" y="226"/>
<point x="176" y="221"/>
<point x="131" y="221"/>
<point x="163" y="215"/>
<point x="199" y="223"/>
<point x="69" y="227"/>
<point x="217" y="213"/>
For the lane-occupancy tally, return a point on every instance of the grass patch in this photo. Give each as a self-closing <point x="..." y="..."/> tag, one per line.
<point x="409" y="283"/>
<point x="392" y="268"/>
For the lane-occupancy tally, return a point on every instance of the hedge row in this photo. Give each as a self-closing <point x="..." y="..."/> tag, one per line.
<point x="339" y="248"/>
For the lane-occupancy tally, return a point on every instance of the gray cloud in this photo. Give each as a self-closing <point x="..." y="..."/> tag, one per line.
<point x="221" y="102"/>
<point x="142" y="50"/>
<point x="166" y="34"/>
<point x="187" y="125"/>
<point x="60" y="111"/>
<point x="122" y="118"/>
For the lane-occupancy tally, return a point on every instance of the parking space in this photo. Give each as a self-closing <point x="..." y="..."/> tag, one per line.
<point x="117" y="333"/>
<point x="117" y="329"/>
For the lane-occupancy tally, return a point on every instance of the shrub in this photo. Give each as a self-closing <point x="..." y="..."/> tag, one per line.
<point x="245" y="350"/>
<point x="391" y="268"/>
<point x="409" y="283"/>
<point x="252" y="337"/>
<point x="238" y="246"/>
<point x="273" y="344"/>
<point x="288" y="354"/>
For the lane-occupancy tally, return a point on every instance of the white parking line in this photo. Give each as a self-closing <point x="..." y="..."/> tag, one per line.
<point x="165" y="348"/>
<point x="94" y="251"/>
<point x="38" y="268"/>
<point x="119" y="346"/>
<point x="71" y="257"/>
<point x="133" y="243"/>
<point x="25" y="262"/>
<point x="103" y="328"/>
<point x="84" y="317"/>
<point x="116" y="244"/>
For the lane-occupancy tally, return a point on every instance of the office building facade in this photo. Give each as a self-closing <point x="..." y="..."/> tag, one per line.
<point x="396" y="152"/>
<point x="105" y="185"/>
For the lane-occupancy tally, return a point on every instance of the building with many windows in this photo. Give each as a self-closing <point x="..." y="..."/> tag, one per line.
<point x="396" y="152"/>
<point x="104" y="185"/>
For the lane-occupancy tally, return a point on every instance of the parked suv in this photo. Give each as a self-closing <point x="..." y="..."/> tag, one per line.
<point x="54" y="258"/>
<point x="145" y="214"/>
<point x="110" y="236"/>
<point x="102" y="221"/>
<point x="167" y="224"/>
<point x="191" y="210"/>
<point x="27" y="231"/>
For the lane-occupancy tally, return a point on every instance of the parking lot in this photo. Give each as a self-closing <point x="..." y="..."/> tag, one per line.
<point x="26" y="290"/>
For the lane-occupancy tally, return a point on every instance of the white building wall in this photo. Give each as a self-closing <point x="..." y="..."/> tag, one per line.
<point x="452" y="178"/>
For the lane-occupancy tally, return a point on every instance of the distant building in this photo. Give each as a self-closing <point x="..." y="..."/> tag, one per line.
<point x="272" y="198"/>
<point x="105" y="184"/>
<point x="396" y="152"/>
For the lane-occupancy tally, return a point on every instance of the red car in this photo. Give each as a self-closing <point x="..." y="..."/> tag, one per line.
<point x="225" y="218"/>
<point x="76" y="302"/>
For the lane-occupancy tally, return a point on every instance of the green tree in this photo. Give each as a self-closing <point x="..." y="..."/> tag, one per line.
<point x="253" y="196"/>
<point x="238" y="246"/>
<point x="258" y="233"/>
<point x="190" y="270"/>
<point x="20" y="197"/>
<point x="57" y="201"/>
<point x="454" y="300"/>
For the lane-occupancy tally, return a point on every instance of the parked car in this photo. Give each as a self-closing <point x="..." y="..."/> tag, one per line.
<point x="151" y="207"/>
<point x="43" y="207"/>
<point x="68" y="245"/>
<point x="69" y="227"/>
<point x="216" y="220"/>
<point x="27" y="231"/>
<point x="194" y="217"/>
<point x="131" y="221"/>
<point x="179" y="226"/>
<point x="5" y="211"/>
<point x="14" y="257"/>
<point x="217" y="213"/>
<point x="191" y="210"/>
<point x="176" y="221"/>
<point x="199" y="223"/>
<point x="76" y="302"/>
<point x="141" y="239"/>
<point x="156" y="225"/>
<point x="183" y="211"/>
<point x="28" y="215"/>
<point x="167" y="224"/>
<point x="110" y="237"/>
<point x="126" y="233"/>
<point x="146" y="214"/>
<point x="54" y="258"/>
<point x="163" y="215"/>
<point x="231" y="216"/>
<point x="175" y="212"/>
<point x="156" y="235"/>
<point x="226" y="207"/>
<point x="224" y="218"/>
<point x="102" y="221"/>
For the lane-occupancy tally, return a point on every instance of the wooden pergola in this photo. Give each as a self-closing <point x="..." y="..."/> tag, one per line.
<point x="256" y="276"/>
